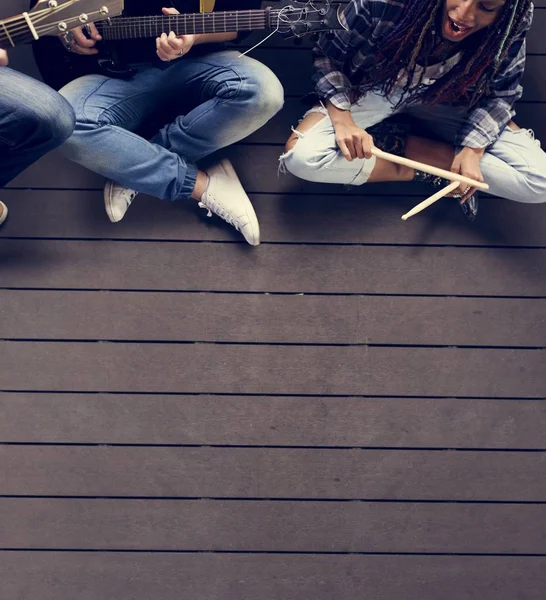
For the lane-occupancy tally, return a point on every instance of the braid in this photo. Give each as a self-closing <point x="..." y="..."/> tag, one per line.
<point x="468" y="80"/>
<point x="392" y="56"/>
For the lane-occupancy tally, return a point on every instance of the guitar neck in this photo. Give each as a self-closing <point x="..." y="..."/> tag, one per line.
<point x="122" y="28"/>
<point x="53" y="18"/>
<point x="16" y="30"/>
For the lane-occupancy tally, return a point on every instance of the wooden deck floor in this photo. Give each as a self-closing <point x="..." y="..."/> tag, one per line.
<point x="355" y="409"/>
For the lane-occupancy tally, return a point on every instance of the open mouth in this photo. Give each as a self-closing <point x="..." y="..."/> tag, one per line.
<point x="455" y="30"/>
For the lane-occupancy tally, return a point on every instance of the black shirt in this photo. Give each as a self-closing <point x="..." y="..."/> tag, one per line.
<point x="144" y="50"/>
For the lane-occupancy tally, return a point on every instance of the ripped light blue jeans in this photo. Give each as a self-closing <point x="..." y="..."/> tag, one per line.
<point x="514" y="166"/>
<point x="217" y="99"/>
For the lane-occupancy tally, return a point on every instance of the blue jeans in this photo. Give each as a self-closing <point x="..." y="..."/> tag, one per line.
<point x="203" y="103"/>
<point x="514" y="166"/>
<point x="34" y="119"/>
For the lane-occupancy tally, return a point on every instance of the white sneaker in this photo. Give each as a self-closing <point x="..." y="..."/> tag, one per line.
<point x="3" y="212"/>
<point x="226" y="198"/>
<point x="117" y="200"/>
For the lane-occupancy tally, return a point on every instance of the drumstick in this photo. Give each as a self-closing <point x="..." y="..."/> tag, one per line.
<point x="431" y="200"/>
<point x="401" y="160"/>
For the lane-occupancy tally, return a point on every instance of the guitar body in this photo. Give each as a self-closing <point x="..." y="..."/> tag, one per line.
<point x="59" y="67"/>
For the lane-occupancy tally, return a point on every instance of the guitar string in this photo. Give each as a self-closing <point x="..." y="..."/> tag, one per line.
<point x="239" y="22"/>
<point x="127" y="25"/>
<point x="218" y="15"/>
<point x="150" y="28"/>
<point x="23" y="27"/>
<point x="280" y="19"/>
<point x="200" y="22"/>
<point x="199" y="28"/>
<point x="241" y="19"/>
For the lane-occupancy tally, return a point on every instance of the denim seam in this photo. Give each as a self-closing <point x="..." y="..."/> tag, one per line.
<point x="515" y="149"/>
<point x="98" y="120"/>
<point x="215" y="102"/>
<point x="189" y="166"/>
<point x="7" y="143"/>
<point x="302" y="134"/>
<point x="203" y="60"/>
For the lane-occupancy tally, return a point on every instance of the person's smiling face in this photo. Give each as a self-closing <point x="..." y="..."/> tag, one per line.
<point x="462" y="18"/>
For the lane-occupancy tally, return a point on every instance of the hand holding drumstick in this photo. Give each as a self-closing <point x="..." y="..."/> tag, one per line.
<point x="455" y="178"/>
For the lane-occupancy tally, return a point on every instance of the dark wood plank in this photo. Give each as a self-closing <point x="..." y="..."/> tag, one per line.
<point x="274" y="421"/>
<point x="291" y="370"/>
<point x="209" y="576"/>
<point x="205" y="472"/>
<point x="54" y="171"/>
<point x="285" y="268"/>
<point x="283" y="218"/>
<point x="248" y="526"/>
<point x="272" y="319"/>
<point x="259" y="175"/>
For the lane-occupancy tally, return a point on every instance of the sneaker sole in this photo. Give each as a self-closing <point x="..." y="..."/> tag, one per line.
<point x="108" y="203"/>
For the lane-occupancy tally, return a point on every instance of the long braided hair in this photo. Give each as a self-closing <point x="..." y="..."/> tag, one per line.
<point x="482" y="55"/>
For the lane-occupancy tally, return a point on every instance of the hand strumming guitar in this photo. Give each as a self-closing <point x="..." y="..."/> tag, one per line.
<point x="3" y="58"/>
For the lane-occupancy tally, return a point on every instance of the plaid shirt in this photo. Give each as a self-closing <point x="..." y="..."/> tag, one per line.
<point x="342" y="60"/>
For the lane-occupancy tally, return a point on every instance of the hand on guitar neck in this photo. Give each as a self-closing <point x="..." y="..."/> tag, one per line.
<point x="169" y="46"/>
<point x="3" y="58"/>
<point x="172" y="46"/>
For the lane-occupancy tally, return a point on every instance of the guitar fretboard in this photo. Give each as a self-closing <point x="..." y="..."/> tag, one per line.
<point x="14" y="31"/>
<point x="121" y="28"/>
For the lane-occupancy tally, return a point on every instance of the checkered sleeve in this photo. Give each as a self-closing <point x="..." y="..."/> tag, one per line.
<point x="486" y="122"/>
<point x="333" y="53"/>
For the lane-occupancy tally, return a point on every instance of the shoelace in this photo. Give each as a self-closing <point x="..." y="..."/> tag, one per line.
<point x="218" y="210"/>
<point x="130" y="197"/>
<point x="126" y="193"/>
